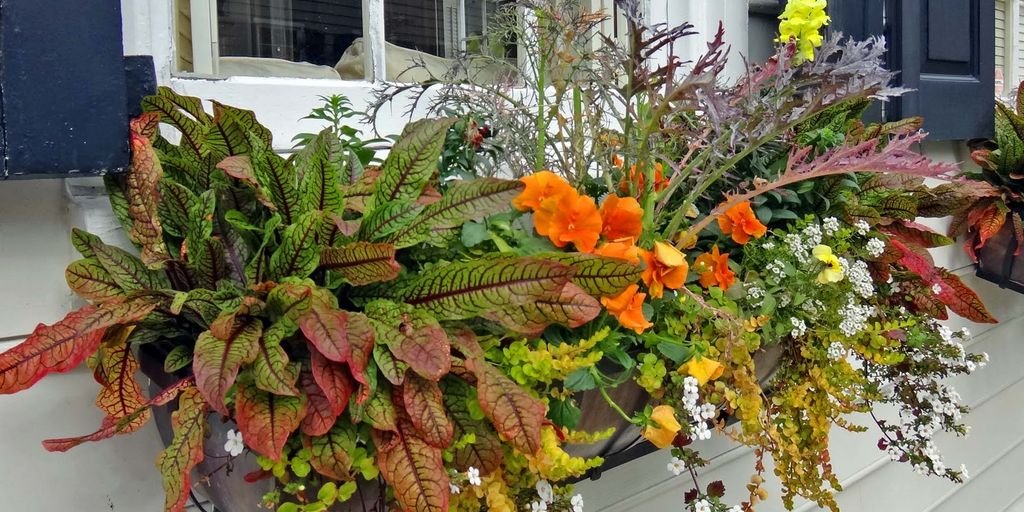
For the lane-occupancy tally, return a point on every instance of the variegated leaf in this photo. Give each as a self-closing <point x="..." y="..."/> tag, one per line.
<point x="463" y="201"/>
<point x="184" y="451"/>
<point x="412" y="162"/>
<point x="415" y="470"/>
<point x="267" y="420"/>
<point x="413" y="336"/>
<point x="424" y="403"/>
<point x="298" y="254"/>
<point x="573" y="308"/>
<point x="217" y="360"/>
<point x="361" y="263"/>
<point x="331" y="453"/>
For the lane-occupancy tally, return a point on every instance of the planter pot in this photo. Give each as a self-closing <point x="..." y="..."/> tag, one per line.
<point x="997" y="261"/>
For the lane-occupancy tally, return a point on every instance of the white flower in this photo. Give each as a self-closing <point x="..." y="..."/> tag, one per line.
<point x="830" y="225"/>
<point x="875" y="247"/>
<point x="708" y="411"/>
<point x="702" y="506"/>
<point x="577" y="503"/>
<point x="936" y="288"/>
<point x="676" y="466"/>
<point x="544" y="491"/>
<point x="234" y="445"/>
<point x="473" y="475"/>
<point x="862" y="227"/>
<point x="836" y="351"/>
<point x="538" y="506"/>
<point x="735" y="508"/>
<point x="454" y="489"/>
<point x="799" y="327"/>
<point x="768" y="246"/>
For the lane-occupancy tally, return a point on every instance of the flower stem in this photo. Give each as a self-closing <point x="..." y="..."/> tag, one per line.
<point x="615" y="406"/>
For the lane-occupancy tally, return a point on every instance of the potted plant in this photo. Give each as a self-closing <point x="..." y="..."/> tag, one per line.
<point x="338" y="334"/>
<point x="993" y="220"/>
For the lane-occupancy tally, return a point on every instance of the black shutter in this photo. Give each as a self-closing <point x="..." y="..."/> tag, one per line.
<point x="63" y="89"/>
<point x="945" y="50"/>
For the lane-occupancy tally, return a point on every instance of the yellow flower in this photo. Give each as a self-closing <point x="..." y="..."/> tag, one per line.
<point x="801" y="21"/>
<point x="833" y="272"/>
<point x="703" y="369"/>
<point x="664" y="432"/>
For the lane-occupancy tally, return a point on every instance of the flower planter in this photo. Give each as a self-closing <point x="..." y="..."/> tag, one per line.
<point x="1000" y="260"/>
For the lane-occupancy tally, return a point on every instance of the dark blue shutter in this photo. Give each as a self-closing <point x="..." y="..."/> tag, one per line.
<point x="64" y="95"/>
<point x="943" y="49"/>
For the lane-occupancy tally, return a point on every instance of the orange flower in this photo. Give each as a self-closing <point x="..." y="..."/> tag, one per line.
<point x="617" y="161"/>
<point x="665" y="427"/>
<point x="636" y="177"/>
<point x="623" y="217"/>
<point x="714" y="269"/>
<point x="575" y="219"/>
<point x="703" y="369"/>
<point x="622" y="249"/>
<point x="540" y="186"/>
<point x="741" y="223"/>
<point x="666" y="267"/>
<point x="628" y="308"/>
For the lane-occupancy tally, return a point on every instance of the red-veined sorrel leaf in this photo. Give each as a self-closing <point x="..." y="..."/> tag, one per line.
<point x="83" y="241"/>
<point x="412" y="162"/>
<point x="216" y="360"/>
<point x="298" y="254"/>
<point x="917" y="260"/>
<point x="143" y="193"/>
<point x="326" y="328"/>
<point x="943" y="200"/>
<point x="267" y="420"/>
<point x="917" y="234"/>
<point x="178" y="358"/>
<point x="333" y="379"/>
<point x="63" y="345"/>
<point x="413" y="336"/>
<point x="146" y="124"/>
<point x="514" y="413"/>
<point x="184" y="451"/>
<point x="272" y="371"/>
<point x="111" y="427"/>
<point x="485" y="452"/>
<point x="240" y="168"/>
<point x="962" y="300"/>
<point x="379" y="411"/>
<point x="278" y="177"/>
<point x="927" y="303"/>
<point x="209" y="261"/>
<point x="189" y="123"/>
<point x="225" y="136"/>
<point x="415" y="470"/>
<point x="359" y="192"/>
<point x="320" y="165"/>
<point x="362" y="340"/>
<point x="331" y="453"/>
<point x="90" y="281"/>
<point x="175" y="202"/>
<point x="246" y="119"/>
<point x="463" y="201"/>
<point x="121" y="396"/>
<point x="126" y="270"/>
<point x="424" y="403"/>
<point x="320" y="412"/>
<point x="898" y="207"/>
<point x="597" y="275"/>
<point x="361" y="263"/>
<point x="572" y="308"/>
<point x="391" y="368"/>
<point x="388" y="218"/>
<point x="987" y="222"/>
<point x="461" y="290"/>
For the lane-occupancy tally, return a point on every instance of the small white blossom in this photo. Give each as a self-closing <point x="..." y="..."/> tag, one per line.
<point x="862" y="227"/>
<point x="768" y="246"/>
<point x="676" y="466"/>
<point x="473" y="475"/>
<point x="755" y="292"/>
<point x="799" y="327"/>
<point x="708" y="411"/>
<point x="538" y="506"/>
<point x="875" y="247"/>
<point x="830" y="225"/>
<point x="234" y="445"/>
<point x="544" y="491"/>
<point x="936" y="288"/>
<point x="812" y="235"/>
<point x="735" y="508"/>
<point x="577" y="503"/>
<point x="453" y="489"/>
<point x="836" y="351"/>
<point x="702" y="506"/>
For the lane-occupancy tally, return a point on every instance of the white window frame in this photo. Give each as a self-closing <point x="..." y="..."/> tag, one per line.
<point x="281" y="102"/>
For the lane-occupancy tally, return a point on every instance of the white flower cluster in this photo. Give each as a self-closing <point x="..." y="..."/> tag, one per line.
<point x="854" y="317"/>
<point x="777" y="269"/>
<point x="546" y="496"/>
<point x="836" y="351"/>
<point x="875" y="247"/>
<point x="755" y="292"/>
<point x="702" y="506"/>
<point x="796" y="245"/>
<point x="700" y="414"/>
<point x="812" y="235"/>
<point x="813" y="306"/>
<point x="859" y="276"/>
<point x="768" y="245"/>
<point x="862" y="227"/>
<point x="830" y="225"/>
<point x="676" y="466"/>
<point x="799" y="327"/>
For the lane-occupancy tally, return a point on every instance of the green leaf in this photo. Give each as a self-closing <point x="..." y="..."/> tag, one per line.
<point x="485" y="452"/>
<point x="390" y="367"/>
<point x="331" y="453"/>
<point x="597" y="275"/>
<point x="387" y="219"/>
<point x="126" y="270"/>
<point x="272" y="371"/>
<point x="361" y="263"/>
<point x="463" y="201"/>
<point x="173" y="207"/>
<point x="572" y="308"/>
<point x="278" y="177"/>
<point x="580" y="380"/>
<point x="217" y="360"/>
<point x="183" y="113"/>
<point x="461" y="290"/>
<point x="178" y="358"/>
<point x="90" y="281"/>
<point x="298" y="254"/>
<point x="474" y="233"/>
<point x="565" y="413"/>
<point x="415" y="470"/>
<point x="413" y="336"/>
<point x="319" y="165"/>
<point x="412" y="162"/>
<point x="208" y="259"/>
<point x="424" y="403"/>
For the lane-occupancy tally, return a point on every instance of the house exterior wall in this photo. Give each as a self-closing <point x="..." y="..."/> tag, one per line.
<point x="119" y="475"/>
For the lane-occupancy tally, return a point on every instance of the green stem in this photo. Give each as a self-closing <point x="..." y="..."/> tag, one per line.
<point x="615" y="406"/>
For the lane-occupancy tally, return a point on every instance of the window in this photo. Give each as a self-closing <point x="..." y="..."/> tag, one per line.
<point x="325" y="38"/>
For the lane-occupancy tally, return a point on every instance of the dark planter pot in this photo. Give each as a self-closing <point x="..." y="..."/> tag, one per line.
<point x="229" y="492"/>
<point x="997" y="261"/>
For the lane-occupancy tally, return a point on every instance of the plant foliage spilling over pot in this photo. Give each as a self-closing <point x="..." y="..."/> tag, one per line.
<point x="419" y="326"/>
